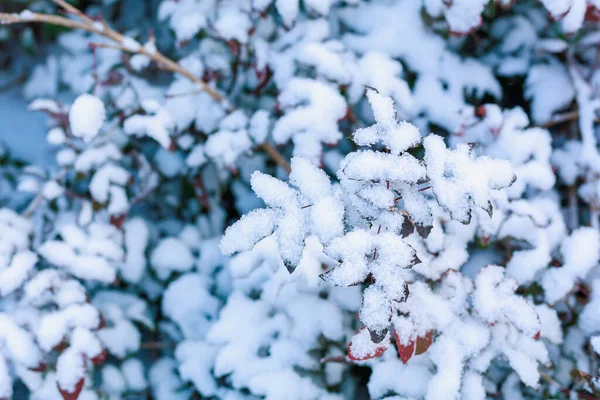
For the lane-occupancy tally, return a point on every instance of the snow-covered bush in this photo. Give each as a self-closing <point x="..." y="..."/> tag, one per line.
<point x="387" y="199"/>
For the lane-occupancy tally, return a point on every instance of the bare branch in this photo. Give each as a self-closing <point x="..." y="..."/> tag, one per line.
<point x="73" y="10"/>
<point x="104" y="30"/>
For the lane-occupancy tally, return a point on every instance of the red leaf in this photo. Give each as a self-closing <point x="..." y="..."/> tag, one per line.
<point x="485" y="240"/>
<point x="172" y="144"/>
<point x="101" y="323"/>
<point x="41" y="367"/>
<point x="113" y="78"/>
<point x="361" y="346"/>
<point x="537" y="335"/>
<point x="592" y="14"/>
<point x="118" y="220"/>
<point x="74" y="394"/>
<point x="61" y="346"/>
<point x="423" y="343"/>
<point x="480" y="111"/>
<point x="234" y="46"/>
<point x="100" y="358"/>
<point x="405" y="351"/>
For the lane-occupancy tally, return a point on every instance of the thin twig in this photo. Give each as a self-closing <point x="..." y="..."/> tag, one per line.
<point x="183" y="94"/>
<point x="335" y="359"/>
<point x="104" y="30"/>
<point x="561" y="118"/>
<point x="39" y="198"/>
<point x="157" y="345"/>
<point x="594" y="214"/>
<point x="33" y="205"/>
<point x="573" y="212"/>
<point x="276" y="156"/>
<point x="73" y="10"/>
<point x="108" y="46"/>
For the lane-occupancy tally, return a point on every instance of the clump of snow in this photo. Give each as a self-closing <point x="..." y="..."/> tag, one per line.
<point x="86" y="117"/>
<point x="581" y="252"/>
<point x="397" y="137"/>
<point x="26" y="15"/>
<point x="171" y="254"/>
<point x="404" y="123"/>
<point x="156" y="123"/>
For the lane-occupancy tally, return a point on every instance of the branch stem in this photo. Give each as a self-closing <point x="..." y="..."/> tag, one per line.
<point x="101" y="28"/>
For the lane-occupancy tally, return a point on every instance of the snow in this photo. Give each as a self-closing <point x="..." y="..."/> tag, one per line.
<point x="26" y="15"/>
<point x="464" y="16"/>
<point x="457" y="179"/>
<point x="113" y="380"/>
<point x="188" y="302"/>
<point x="244" y="235"/>
<point x="70" y="370"/>
<point x="414" y="383"/>
<point x="287" y="218"/>
<point x="157" y="123"/>
<point x="86" y="117"/>
<point x="52" y="190"/>
<point x="367" y="164"/>
<point x="165" y="382"/>
<point x="581" y="252"/>
<point x="56" y="136"/>
<point x="96" y="157"/>
<point x="14" y="274"/>
<point x="595" y="341"/>
<point x="225" y="146"/>
<point x="19" y="343"/>
<point x="234" y="26"/>
<point x="54" y="326"/>
<point x="187" y="17"/>
<point x="558" y="8"/>
<point x="153" y="242"/>
<point x="121" y="339"/>
<point x="573" y="20"/>
<point x="106" y="186"/>
<point x="288" y="9"/>
<point x="85" y="256"/>
<point x="139" y="62"/>
<point x="197" y="369"/>
<point x="6" y="388"/>
<point x="312" y="110"/>
<point x="379" y="71"/>
<point x="197" y="157"/>
<point x="543" y="80"/>
<point x="491" y="285"/>
<point x="551" y="328"/>
<point x="326" y="60"/>
<point x="171" y="254"/>
<point x="393" y="254"/>
<point x="131" y="44"/>
<point x="259" y="126"/>
<point x="133" y="372"/>
<point x="395" y="136"/>
<point x="136" y="240"/>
